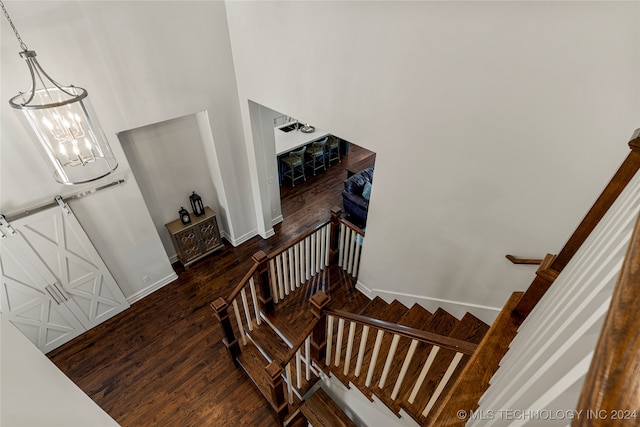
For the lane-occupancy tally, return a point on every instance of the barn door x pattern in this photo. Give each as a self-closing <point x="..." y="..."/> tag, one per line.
<point x="55" y="286"/>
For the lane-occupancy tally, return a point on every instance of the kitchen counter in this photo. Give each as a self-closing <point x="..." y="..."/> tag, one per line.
<point x="288" y="141"/>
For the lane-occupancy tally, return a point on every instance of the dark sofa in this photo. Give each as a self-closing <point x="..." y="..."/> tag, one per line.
<point x="355" y="205"/>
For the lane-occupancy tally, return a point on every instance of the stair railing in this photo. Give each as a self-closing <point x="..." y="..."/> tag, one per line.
<point x="297" y="262"/>
<point x="248" y="299"/>
<point x="546" y="276"/>
<point x="333" y="355"/>
<point x="306" y="351"/>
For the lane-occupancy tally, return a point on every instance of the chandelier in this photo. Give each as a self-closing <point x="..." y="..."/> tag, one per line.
<point x="64" y="123"/>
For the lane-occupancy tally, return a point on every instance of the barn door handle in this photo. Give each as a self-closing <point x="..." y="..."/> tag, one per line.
<point x="53" y="294"/>
<point x="60" y="292"/>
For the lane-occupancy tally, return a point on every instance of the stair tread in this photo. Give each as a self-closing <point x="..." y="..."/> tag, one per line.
<point x="373" y="307"/>
<point x="474" y="380"/>
<point x="441" y="322"/>
<point x="415" y="317"/>
<point x="393" y="312"/>
<point x="254" y="364"/>
<point x="271" y="344"/>
<point x="470" y="329"/>
<point x="320" y="410"/>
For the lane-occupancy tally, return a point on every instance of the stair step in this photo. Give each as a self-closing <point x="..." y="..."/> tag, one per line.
<point x="254" y="364"/>
<point x="374" y="307"/>
<point x="474" y="380"/>
<point x="441" y="322"/>
<point x="469" y="329"/>
<point x="268" y="342"/>
<point x="321" y="411"/>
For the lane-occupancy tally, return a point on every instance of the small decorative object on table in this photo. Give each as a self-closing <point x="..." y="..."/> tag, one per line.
<point x="196" y="204"/>
<point x="184" y="215"/>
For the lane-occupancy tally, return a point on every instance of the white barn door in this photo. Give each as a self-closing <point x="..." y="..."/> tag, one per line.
<point x="26" y="301"/>
<point x="54" y="247"/>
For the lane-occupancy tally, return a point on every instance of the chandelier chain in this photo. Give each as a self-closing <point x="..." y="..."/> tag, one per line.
<point x="23" y="46"/>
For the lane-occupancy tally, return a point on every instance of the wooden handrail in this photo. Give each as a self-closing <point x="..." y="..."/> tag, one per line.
<point x="298" y="239"/>
<point x="241" y="284"/>
<point x="612" y="385"/>
<point x="516" y="260"/>
<point x="618" y="182"/>
<point x="351" y="226"/>
<point x="292" y="352"/>
<point x="406" y="331"/>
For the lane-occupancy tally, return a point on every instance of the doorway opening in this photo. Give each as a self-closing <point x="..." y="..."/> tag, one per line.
<point x="320" y="183"/>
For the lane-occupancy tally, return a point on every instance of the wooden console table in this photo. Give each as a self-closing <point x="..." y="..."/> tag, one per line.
<point x="197" y="239"/>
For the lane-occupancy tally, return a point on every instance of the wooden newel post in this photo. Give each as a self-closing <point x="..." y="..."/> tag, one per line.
<point x="262" y="281"/>
<point x="334" y="237"/>
<point x="274" y="372"/>
<point x="319" y="337"/>
<point x="233" y="347"/>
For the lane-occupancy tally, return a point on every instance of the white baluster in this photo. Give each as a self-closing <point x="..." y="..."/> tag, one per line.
<point x="314" y="253"/>
<point x="404" y="369"/>
<point x="387" y="363"/>
<point x="289" y="385"/>
<point x="319" y="254"/>
<point x="356" y="259"/>
<point x="347" y="356"/>
<point x="341" y="244"/>
<point x="239" y="321"/>
<point x="298" y="369"/>
<point x="245" y="305"/>
<point x="374" y="357"/>
<point x="285" y="271"/>
<point x="327" y="245"/>
<point x="296" y="264"/>
<point x="307" y="357"/>
<point x="252" y="286"/>
<point x="292" y="270"/>
<point x="339" y="341"/>
<point x="445" y="379"/>
<point x="423" y="373"/>
<point x="274" y="283"/>
<point x="307" y="249"/>
<point x="362" y="349"/>
<point x="352" y="244"/>
<point x="329" y="339"/>
<point x="278" y="261"/>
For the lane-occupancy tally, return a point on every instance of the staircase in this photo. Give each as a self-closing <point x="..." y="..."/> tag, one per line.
<point x="432" y="367"/>
<point x="297" y="317"/>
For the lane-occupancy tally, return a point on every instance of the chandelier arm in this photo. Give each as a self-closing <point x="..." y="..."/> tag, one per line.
<point x="32" y="89"/>
<point x="39" y="70"/>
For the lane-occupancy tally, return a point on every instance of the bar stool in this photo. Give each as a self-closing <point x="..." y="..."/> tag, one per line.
<point x="333" y="149"/>
<point x="315" y="152"/>
<point x="295" y="163"/>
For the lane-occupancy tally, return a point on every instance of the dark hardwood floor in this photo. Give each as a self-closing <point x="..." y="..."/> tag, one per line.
<point x="162" y="362"/>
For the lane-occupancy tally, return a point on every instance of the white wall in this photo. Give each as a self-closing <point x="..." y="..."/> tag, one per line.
<point x="169" y="163"/>
<point x="34" y="392"/>
<point x="495" y="124"/>
<point x="142" y="63"/>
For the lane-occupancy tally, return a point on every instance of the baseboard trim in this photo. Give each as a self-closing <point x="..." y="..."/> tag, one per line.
<point x="240" y="240"/>
<point x="277" y="220"/>
<point x="151" y="288"/>
<point x="458" y="308"/>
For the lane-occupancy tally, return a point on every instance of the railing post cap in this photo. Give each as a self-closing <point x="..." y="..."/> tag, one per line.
<point x="634" y="142"/>
<point x="219" y="305"/>
<point x="320" y="300"/>
<point x="336" y="211"/>
<point x="259" y="256"/>
<point x="274" y="370"/>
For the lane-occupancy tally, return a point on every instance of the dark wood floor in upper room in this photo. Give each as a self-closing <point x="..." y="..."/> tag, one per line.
<point x="162" y="362"/>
